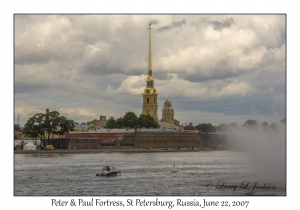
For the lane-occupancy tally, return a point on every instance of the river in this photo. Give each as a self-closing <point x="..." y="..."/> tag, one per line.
<point x="210" y="173"/>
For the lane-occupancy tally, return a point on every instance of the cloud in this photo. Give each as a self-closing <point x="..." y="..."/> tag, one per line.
<point x="88" y="65"/>
<point x="219" y="25"/>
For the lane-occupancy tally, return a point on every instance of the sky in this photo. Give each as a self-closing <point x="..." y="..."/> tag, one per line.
<point x="214" y="68"/>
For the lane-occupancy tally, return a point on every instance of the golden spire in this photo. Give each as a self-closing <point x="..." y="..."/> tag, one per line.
<point x="150" y="51"/>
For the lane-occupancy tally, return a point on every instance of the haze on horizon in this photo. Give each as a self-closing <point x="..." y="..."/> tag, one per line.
<point x="215" y="68"/>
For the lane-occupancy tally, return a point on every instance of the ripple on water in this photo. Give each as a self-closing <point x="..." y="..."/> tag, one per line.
<point x="143" y="174"/>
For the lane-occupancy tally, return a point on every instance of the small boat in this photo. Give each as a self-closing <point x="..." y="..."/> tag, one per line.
<point x="174" y="169"/>
<point x="107" y="171"/>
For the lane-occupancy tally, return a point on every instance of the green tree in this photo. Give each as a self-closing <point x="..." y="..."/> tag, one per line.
<point x="147" y="121"/>
<point x="51" y="122"/>
<point x="130" y="120"/>
<point x="111" y="123"/>
<point x="206" y="130"/>
<point x="65" y="125"/>
<point x="119" y="122"/>
<point x="34" y="127"/>
<point x="222" y="128"/>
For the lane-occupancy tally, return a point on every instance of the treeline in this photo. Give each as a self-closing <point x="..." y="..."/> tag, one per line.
<point x="206" y="129"/>
<point x="132" y="121"/>
<point x="44" y="125"/>
<point x="252" y="124"/>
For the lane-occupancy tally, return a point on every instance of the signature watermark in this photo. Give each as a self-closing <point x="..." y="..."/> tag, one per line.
<point x="245" y="185"/>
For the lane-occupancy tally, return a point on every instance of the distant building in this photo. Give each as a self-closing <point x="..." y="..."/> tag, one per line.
<point x="177" y="122"/>
<point x="190" y="128"/>
<point x="17" y="134"/>
<point x="168" y="112"/>
<point x="101" y="122"/>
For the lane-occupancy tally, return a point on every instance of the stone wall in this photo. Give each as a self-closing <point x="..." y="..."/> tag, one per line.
<point x="87" y="140"/>
<point x="98" y="140"/>
<point x="168" y="140"/>
<point x="62" y="143"/>
<point x="216" y="139"/>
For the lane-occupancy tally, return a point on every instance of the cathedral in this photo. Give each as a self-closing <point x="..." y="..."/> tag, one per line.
<point x="150" y="96"/>
<point x="150" y="105"/>
<point x="168" y="112"/>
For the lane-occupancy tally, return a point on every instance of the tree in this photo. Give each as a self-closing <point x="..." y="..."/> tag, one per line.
<point x="51" y="122"/>
<point x="130" y="120"/>
<point x="206" y="129"/>
<point x="147" y="121"/>
<point x="111" y="123"/>
<point x="34" y="127"/>
<point x="222" y="128"/>
<point x="119" y="122"/>
<point x="65" y="125"/>
<point x="251" y="124"/>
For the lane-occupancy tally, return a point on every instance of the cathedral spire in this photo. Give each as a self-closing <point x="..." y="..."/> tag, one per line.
<point x="150" y="52"/>
<point x="150" y="96"/>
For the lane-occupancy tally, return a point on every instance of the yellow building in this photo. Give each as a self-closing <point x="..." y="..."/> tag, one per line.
<point x="168" y="112"/>
<point x="150" y="96"/>
<point x="101" y="122"/>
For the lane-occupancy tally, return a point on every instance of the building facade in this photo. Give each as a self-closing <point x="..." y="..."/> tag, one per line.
<point x="168" y="112"/>
<point x="150" y="95"/>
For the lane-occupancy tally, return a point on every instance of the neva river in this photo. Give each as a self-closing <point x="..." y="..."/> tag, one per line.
<point x="144" y="174"/>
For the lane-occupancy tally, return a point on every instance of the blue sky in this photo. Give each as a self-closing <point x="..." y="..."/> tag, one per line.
<point x="215" y="68"/>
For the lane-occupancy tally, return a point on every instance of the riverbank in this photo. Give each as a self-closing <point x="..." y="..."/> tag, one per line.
<point x="112" y="150"/>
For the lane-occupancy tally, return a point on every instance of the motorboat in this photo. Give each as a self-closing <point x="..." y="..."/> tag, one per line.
<point x="107" y="171"/>
<point x="174" y="169"/>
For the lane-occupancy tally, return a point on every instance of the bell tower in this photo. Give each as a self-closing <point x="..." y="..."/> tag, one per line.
<point x="150" y="96"/>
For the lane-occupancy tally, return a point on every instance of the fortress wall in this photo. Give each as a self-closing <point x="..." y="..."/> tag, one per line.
<point x="85" y="143"/>
<point x="216" y="139"/>
<point x="86" y="140"/>
<point x="98" y="140"/>
<point x="168" y="140"/>
<point x="62" y="143"/>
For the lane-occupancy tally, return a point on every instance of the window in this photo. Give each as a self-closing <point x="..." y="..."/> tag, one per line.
<point x="154" y="100"/>
<point x="148" y="100"/>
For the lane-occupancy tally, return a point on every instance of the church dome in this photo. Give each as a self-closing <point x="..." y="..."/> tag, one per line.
<point x="168" y="101"/>
<point x="190" y="127"/>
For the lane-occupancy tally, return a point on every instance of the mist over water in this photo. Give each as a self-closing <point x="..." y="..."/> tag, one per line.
<point x="265" y="148"/>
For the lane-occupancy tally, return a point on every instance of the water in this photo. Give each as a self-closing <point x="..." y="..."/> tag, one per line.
<point x="143" y="174"/>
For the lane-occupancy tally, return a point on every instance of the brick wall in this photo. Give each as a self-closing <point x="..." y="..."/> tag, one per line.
<point x="88" y="140"/>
